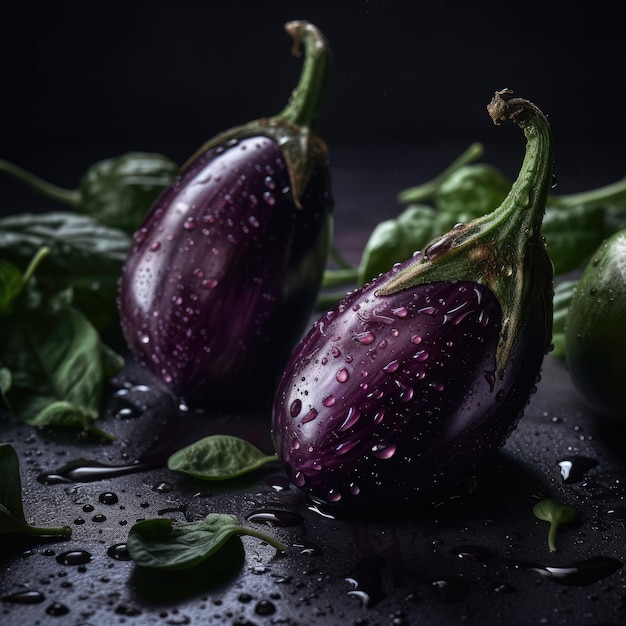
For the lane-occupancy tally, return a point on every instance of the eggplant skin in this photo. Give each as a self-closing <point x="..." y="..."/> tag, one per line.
<point x="223" y="275"/>
<point x="393" y="401"/>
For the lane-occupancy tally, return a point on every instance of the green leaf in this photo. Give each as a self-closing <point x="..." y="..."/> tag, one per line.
<point x="120" y="191"/>
<point x="218" y="457"/>
<point x="57" y="368"/>
<point x="393" y="241"/>
<point x="162" y="544"/>
<point x="12" y="519"/>
<point x="11" y="283"/>
<point x="572" y="235"/>
<point x="84" y="255"/>
<point x="555" y="512"/>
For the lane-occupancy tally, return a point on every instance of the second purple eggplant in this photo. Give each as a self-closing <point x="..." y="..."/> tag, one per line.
<point x="400" y="392"/>
<point x="223" y="275"/>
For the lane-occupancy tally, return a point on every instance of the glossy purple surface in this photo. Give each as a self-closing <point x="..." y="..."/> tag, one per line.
<point x="223" y="274"/>
<point x="393" y="400"/>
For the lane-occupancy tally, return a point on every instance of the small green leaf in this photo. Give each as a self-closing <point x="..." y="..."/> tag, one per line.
<point x="11" y="283"/>
<point x="218" y="457"/>
<point x="556" y="513"/>
<point x="12" y="519"/>
<point x="162" y="544"/>
<point x="393" y="241"/>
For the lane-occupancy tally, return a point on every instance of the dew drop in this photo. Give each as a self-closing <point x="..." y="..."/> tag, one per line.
<point x="189" y="224"/>
<point x="56" y="609"/>
<point x="333" y="495"/>
<point x="74" y="557"/>
<point x="352" y="417"/>
<point x="328" y="401"/>
<point x="416" y="339"/>
<point x="421" y="355"/>
<point x="407" y="394"/>
<point x="401" y="311"/>
<point x="427" y="310"/>
<point x="384" y="451"/>
<point x="209" y="283"/>
<point x="574" y="468"/>
<point x="155" y="246"/>
<point x="310" y="416"/>
<point x="119" y="552"/>
<point x="108" y="497"/>
<point x="24" y="597"/>
<point x="391" y="367"/>
<point x="295" y="408"/>
<point x="346" y="446"/>
<point x="342" y="375"/>
<point x="275" y="517"/>
<point x="490" y="377"/>
<point x="265" y="607"/>
<point x="365" y="338"/>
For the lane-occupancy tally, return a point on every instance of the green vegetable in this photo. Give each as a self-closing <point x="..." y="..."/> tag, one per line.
<point x="84" y="255"/>
<point x="563" y="293"/>
<point x="161" y="544"/>
<point x="393" y="241"/>
<point x="12" y="519"/>
<point x="430" y="189"/>
<point x="556" y="513"/>
<point x="117" y="192"/>
<point x="595" y="341"/>
<point x="219" y="457"/>
<point x="53" y="361"/>
<point x="473" y="190"/>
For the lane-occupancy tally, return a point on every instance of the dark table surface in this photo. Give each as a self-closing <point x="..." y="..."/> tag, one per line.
<point x="481" y="559"/>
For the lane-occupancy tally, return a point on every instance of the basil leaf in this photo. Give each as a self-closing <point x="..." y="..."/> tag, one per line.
<point x="12" y="519"/>
<point x="161" y="544"/>
<point x="56" y="365"/>
<point x="555" y="512"/>
<point x="84" y="255"/>
<point x="393" y="241"/>
<point x="218" y="457"/>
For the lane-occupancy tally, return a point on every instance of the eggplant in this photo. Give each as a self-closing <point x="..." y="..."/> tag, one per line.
<point x="223" y="274"/>
<point x="401" y="392"/>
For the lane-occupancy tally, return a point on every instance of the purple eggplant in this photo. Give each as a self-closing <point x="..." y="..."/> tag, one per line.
<point x="223" y="274"/>
<point x="398" y="394"/>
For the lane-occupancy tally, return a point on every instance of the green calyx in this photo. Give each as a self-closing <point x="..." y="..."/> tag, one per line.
<point x="503" y="250"/>
<point x="293" y="129"/>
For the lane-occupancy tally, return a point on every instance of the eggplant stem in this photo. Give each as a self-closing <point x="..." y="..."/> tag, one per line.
<point x="46" y="189"/>
<point x="305" y="102"/>
<point x="504" y="249"/>
<point x="40" y="255"/>
<point x="594" y="198"/>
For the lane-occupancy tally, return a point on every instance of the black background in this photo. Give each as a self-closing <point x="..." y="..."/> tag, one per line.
<point x="84" y="81"/>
